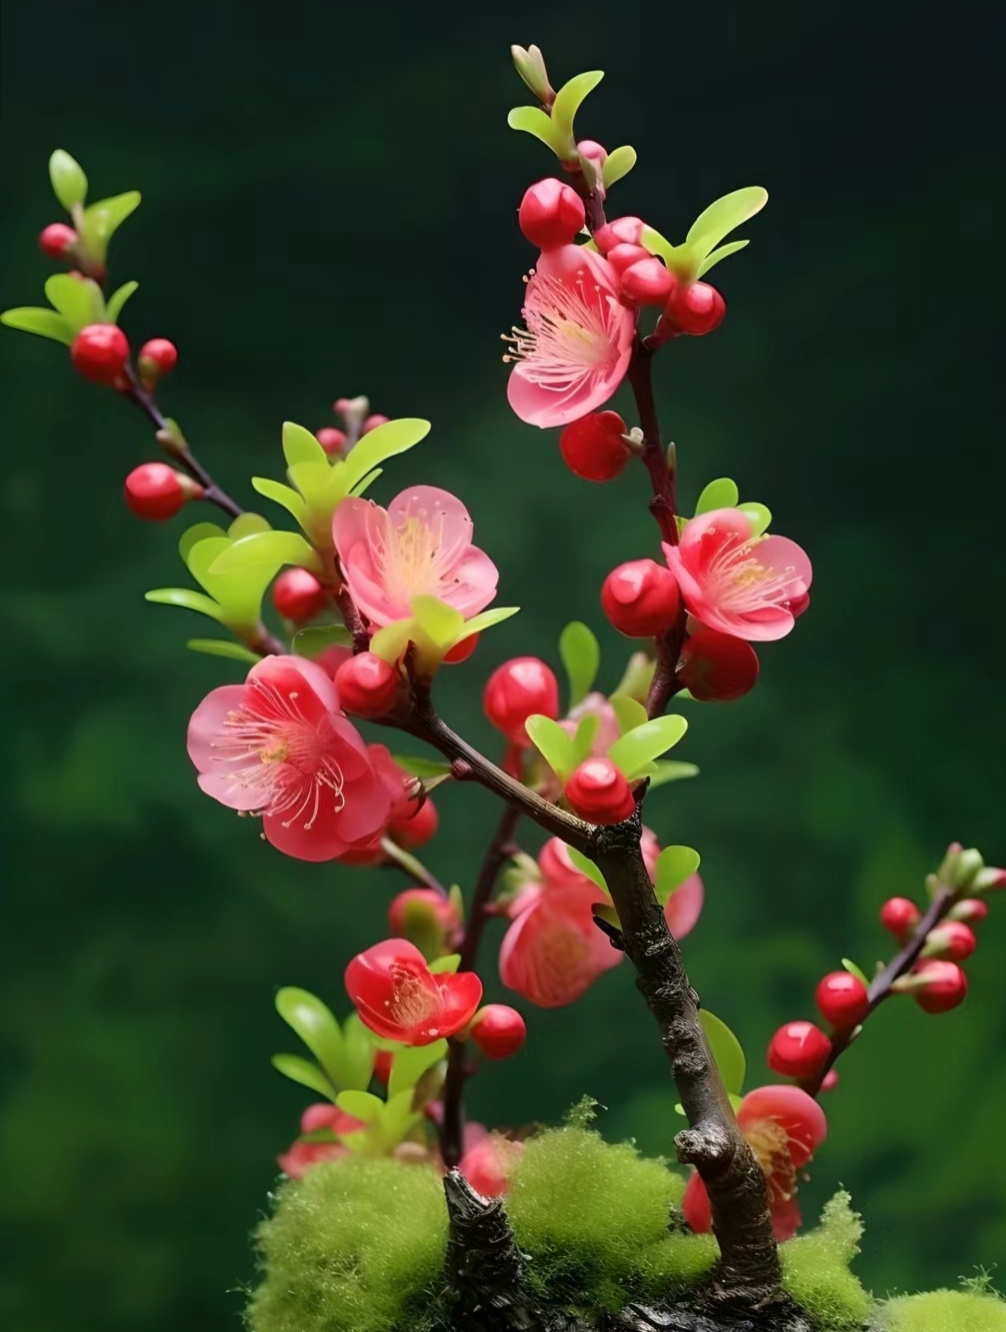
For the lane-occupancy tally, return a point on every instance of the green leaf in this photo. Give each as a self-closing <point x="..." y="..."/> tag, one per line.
<point x="248" y="524"/>
<point x="617" y="164"/>
<point x="421" y="767"/>
<point x="568" y="101"/>
<point x="724" y="252"/>
<point x="757" y="515"/>
<point x="721" y="494"/>
<point x="300" y="446"/>
<point x="186" y="598"/>
<point x="390" y="642"/>
<point x="36" y="319"/>
<point x="723" y="216"/>
<point x="281" y="494"/>
<point x="675" y="864"/>
<point x="441" y="623"/>
<point x="222" y="647"/>
<point x="362" y="486"/>
<point x="194" y="534"/>
<point x="69" y="184"/>
<point x="586" y="734"/>
<point x="671" y="771"/>
<point x="646" y="743"/>
<point x="270" y="550"/>
<point x="318" y="639"/>
<point x="552" y="743"/>
<point x="587" y="866"/>
<point x="361" y="1105"/>
<point x="409" y="1065"/>
<point x="397" y="1117"/>
<point x="78" y="300"/>
<point x="316" y="1026"/>
<point x="629" y="711"/>
<point x="445" y="965"/>
<point x="532" y="120"/>
<point x="581" y="656"/>
<point x="118" y="299"/>
<point x="103" y="219"/>
<point x="357" y="1053"/>
<point x="304" y="1072"/>
<point x="853" y="970"/>
<point x="726" y="1050"/>
<point x="657" y="244"/>
<point x="383" y="442"/>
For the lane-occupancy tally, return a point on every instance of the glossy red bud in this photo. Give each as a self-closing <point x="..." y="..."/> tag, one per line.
<point x="899" y="915"/>
<point x="798" y="1050"/>
<point x="100" y="353"/>
<point x="717" y="667"/>
<point x="624" y="256"/>
<point x="952" y="940"/>
<point x="156" y="491"/>
<point x="499" y="1031"/>
<point x="416" y="829"/>
<point x="599" y="792"/>
<point x="695" y="309"/>
<point x="943" y="986"/>
<point x="842" y="999"/>
<point x="621" y="231"/>
<point x="517" y="690"/>
<point x="641" y="598"/>
<point x="594" y="447"/>
<point x="298" y="595"/>
<point x="551" y="213"/>
<point x="331" y="440"/>
<point x="647" y="282"/>
<point x="157" y="357"/>
<point x="56" y="240"/>
<point x="367" y="685"/>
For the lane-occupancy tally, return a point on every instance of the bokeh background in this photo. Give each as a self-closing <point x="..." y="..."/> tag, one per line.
<point x="329" y="208"/>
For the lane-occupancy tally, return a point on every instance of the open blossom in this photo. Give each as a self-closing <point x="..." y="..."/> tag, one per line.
<point x="751" y="587"/>
<point x="279" y="746"/>
<point x="399" y="998"/>
<point x="784" y="1127"/>
<point x="574" y="351"/>
<point x="300" y="1156"/>
<point x="421" y="545"/>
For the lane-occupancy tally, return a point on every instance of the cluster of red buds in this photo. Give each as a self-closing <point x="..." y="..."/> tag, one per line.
<point x="357" y="420"/>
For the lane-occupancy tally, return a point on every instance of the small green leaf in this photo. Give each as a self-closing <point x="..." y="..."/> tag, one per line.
<point x="586" y="734"/>
<point x="853" y="970"/>
<point x="657" y="244"/>
<point x="409" y="1065"/>
<point x="362" y="486"/>
<point x="69" y="184"/>
<point x="248" y="524"/>
<point x="186" y="598"/>
<point x="304" y="1072"/>
<point x="532" y="120"/>
<point x="568" y="101"/>
<point x="647" y="742"/>
<point x="724" y="252"/>
<point x="675" y="864"/>
<point x="723" y="216"/>
<point x="361" y="1105"/>
<point x="670" y="770"/>
<point x="281" y="494"/>
<point x="36" y="319"/>
<point x="222" y="647"/>
<point x="397" y="1117"/>
<point x="721" y="494"/>
<point x="103" y="219"/>
<point x="421" y="767"/>
<point x="586" y="866"/>
<point x="486" y="619"/>
<point x="191" y="537"/>
<point x="316" y="1026"/>
<point x="357" y="1053"/>
<point x="270" y="549"/>
<point x="617" y="164"/>
<point x="553" y="744"/>
<point x="629" y="711"/>
<point x="581" y="656"/>
<point x="300" y="446"/>
<point x="441" y="623"/>
<point x="757" y="515"/>
<point x="118" y="299"/>
<point x="445" y="965"/>
<point x="378" y="445"/>
<point x="319" y="638"/>
<point x="726" y="1050"/>
<point x="390" y="642"/>
<point x="78" y="300"/>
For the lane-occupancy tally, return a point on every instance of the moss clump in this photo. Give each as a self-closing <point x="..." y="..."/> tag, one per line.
<point x="816" y="1272"/>
<point x="594" y="1219"/>
<point x="353" y="1246"/>
<point x="945" y="1311"/>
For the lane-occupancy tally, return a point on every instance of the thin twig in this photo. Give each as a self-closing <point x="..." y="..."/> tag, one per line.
<point x="412" y="866"/>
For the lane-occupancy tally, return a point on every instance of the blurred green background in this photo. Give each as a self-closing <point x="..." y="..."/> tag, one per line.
<point x="329" y="208"/>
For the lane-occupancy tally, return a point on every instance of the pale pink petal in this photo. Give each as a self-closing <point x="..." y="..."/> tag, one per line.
<point x="786" y="1219"/>
<point x="207" y="722"/>
<point x="684" y="906"/>
<point x="430" y="505"/>
<point x="553" y="952"/>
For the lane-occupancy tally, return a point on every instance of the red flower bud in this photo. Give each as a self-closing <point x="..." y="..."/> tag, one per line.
<point x="551" y="213"/>
<point x="56" y="240"/>
<point x="622" y="231"/>
<point x="599" y="792"/>
<point x="624" y="256"/>
<point x="499" y="1031"/>
<point x="367" y="685"/>
<point x="952" y="939"/>
<point x="156" y="491"/>
<point x="696" y="309"/>
<point x="842" y="999"/>
<point x="899" y="915"/>
<point x="717" y="667"/>
<point x="331" y="440"/>
<point x="971" y="909"/>
<point x="830" y="1080"/>
<point x="798" y="1050"/>
<point x="383" y="1061"/>
<point x="298" y="596"/>
<point x="593" y="447"/>
<point x="157" y="357"/>
<point x="373" y="421"/>
<point x="942" y="986"/>
<point x="648" y="282"/>
<point x="415" y="830"/>
<point x="462" y="651"/>
<point x="100" y="352"/>
<point x="517" y="690"/>
<point x="399" y="998"/>
<point x="641" y="598"/>
<point x="426" y="918"/>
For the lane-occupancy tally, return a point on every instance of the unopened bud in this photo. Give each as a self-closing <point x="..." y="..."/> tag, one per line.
<point x="156" y="491"/>
<point x="953" y="941"/>
<point x="530" y="65"/>
<point x="157" y="357"/>
<point x="969" y="909"/>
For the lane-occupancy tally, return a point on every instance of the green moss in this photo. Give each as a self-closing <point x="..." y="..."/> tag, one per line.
<point x="594" y="1219"/>
<point x="945" y="1311"/>
<point x="353" y="1246"/>
<point x="816" y="1268"/>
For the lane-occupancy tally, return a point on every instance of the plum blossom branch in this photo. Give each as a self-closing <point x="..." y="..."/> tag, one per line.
<point x="412" y="866"/>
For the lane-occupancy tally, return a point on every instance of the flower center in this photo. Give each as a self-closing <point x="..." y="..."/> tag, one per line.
<point x="412" y="558"/>
<point x="771" y="1146"/>
<point x="412" y="1002"/>
<point x="569" y="332"/>
<point x="743" y="582"/>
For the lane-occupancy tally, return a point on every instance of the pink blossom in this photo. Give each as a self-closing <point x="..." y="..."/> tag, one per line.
<point x="300" y="1156"/>
<point x="421" y="545"/>
<point x="279" y="746"/>
<point x="751" y="587"/>
<point x="575" y="349"/>
<point x="684" y="906"/>
<point x="488" y="1161"/>
<point x="594" y="705"/>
